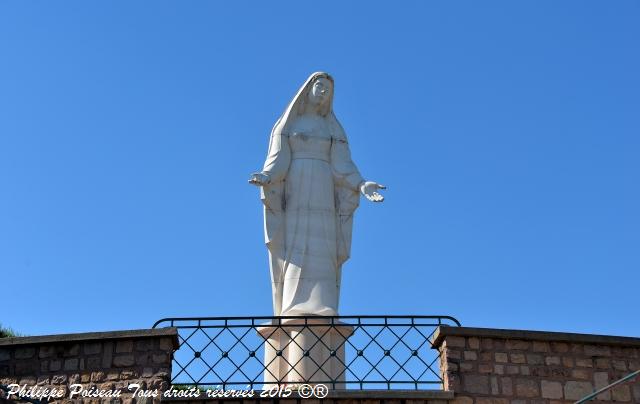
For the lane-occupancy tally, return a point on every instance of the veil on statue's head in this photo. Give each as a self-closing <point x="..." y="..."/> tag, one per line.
<point x="298" y="103"/>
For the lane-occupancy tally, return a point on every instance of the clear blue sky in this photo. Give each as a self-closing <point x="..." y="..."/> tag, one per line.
<point x="508" y="134"/>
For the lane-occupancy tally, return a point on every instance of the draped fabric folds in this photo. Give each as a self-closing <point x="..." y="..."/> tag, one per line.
<point x="308" y="210"/>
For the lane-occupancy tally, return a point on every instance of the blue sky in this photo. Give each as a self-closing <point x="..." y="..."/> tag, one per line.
<point x="507" y="134"/>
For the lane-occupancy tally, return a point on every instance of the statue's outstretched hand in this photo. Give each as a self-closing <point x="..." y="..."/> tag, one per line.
<point x="370" y="190"/>
<point x="259" y="179"/>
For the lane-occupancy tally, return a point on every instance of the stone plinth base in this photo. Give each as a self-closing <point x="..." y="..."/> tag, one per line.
<point x="305" y="350"/>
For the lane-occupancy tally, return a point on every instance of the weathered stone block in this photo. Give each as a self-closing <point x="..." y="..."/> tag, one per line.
<point x="486" y="343"/>
<point x="25" y="353"/>
<point x="597" y="350"/>
<point x="485" y="368"/>
<point x="92" y="348"/>
<point x="486" y="356"/>
<point x="495" y="389"/>
<point x="517" y="344"/>
<point x="473" y="342"/>
<point x="574" y="390"/>
<point x="540" y="346"/>
<point x="498" y="369"/>
<point x="453" y="341"/>
<point x="560" y="372"/>
<point x="5" y="355"/>
<point x="621" y="393"/>
<point x="518" y="358"/>
<point x="147" y="344"/>
<point x="121" y="361"/>
<point x="512" y="369"/>
<point x="636" y="392"/>
<point x="58" y="379"/>
<point x="29" y="380"/>
<point x="535" y="359"/>
<point x="128" y="374"/>
<point x="540" y="371"/>
<point x="55" y="365"/>
<point x="476" y="384"/>
<point x="452" y="354"/>
<point x="525" y="370"/>
<point x="147" y="373"/>
<point x="567" y="361"/>
<point x="584" y="363"/>
<point x="560" y="347"/>
<point x="470" y="355"/>
<point x="124" y="346"/>
<point x="527" y="388"/>
<point x="42" y="380"/>
<point x="71" y="364"/>
<point x="581" y="374"/>
<point x="71" y="350"/>
<point x="47" y="351"/>
<point x="160" y="358"/>
<point x="94" y="362"/>
<point x="112" y="376"/>
<point x="619" y="364"/>
<point x="601" y="379"/>
<point x="166" y="344"/>
<point x="576" y="349"/>
<point x="507" y="386"/>
<point x="491" y="400"/>
<point x="24" y="368"/>
<point x="107" y="354"/>
<point x="551" y="389"/>
<point x="458" y="400"/>
<point x="74" y="378"/>
<point x="552" y="361"/>
<point x="97" y="377"/>
<point x="144" y="359"/>
<point x="501" y="357"/>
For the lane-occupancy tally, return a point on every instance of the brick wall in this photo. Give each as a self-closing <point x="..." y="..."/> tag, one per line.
<point x="104" y="360"/>
<point x="488" y="366"/>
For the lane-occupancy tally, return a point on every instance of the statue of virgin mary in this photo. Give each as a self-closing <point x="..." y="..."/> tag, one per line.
<point x="310" y="189"/>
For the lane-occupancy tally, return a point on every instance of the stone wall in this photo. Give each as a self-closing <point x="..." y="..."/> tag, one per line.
<point x="478" y="366"/>
<point x="489" y="366"/>
<point x="104" y="360"/>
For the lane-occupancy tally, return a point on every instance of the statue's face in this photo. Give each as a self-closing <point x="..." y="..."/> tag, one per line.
<point x="320" y="91"/>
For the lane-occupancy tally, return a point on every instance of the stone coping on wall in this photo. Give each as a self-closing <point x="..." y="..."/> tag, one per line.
<point x="93" y="336"/>
<point x="444" y="331"/>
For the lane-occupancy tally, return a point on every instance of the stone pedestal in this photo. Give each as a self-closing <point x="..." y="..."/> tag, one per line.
<point x="305" y="350"/>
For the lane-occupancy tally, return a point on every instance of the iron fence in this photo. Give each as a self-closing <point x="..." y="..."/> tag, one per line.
<point x="342" y="352"/>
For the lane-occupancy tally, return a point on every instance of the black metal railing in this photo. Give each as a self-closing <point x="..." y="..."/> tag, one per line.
<point x="342" y="352"/>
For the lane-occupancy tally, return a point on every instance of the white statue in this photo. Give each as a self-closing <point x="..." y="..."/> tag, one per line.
<point x="310" y="190"/>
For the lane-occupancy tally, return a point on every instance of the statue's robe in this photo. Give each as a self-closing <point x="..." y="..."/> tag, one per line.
<point x="308" y="216"/>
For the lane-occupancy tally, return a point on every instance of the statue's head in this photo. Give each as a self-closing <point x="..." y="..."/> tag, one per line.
<point x="321" y="91"/>
<point x="315" y="96"/>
